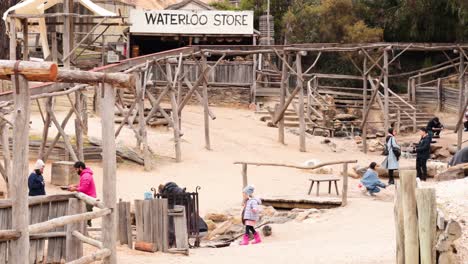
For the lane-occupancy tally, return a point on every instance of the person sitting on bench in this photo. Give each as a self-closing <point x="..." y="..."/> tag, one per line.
<point x="371" y="180"/>
<point x="434" y="127"/>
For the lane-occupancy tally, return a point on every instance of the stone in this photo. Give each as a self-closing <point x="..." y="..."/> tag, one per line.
<point x="371" y="136"/>
<point x="341" y="134"/>
<point x="63" y="173"/>
<point x="305" y="214"/>
<point x="268" y="211"/>
<point x="435" y="167"/>
<point x="237" y="220"/>
<point x="216" y="217"/>
<point x="325" y="141"/>
<point x="221" y="229"/>
<point x="277" y="220"/>
<point x="345" y="117"/>
<point x="452" y="150"/>
<point x="435" y="148"/>
<point x="353" y="174"/>
<point x="211" y="225"/>
<point x="358" y="139"/>
<point x="266" y="230"/>
<point x="322" y="170"/>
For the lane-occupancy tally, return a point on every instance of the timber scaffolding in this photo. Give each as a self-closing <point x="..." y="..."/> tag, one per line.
<point x="399" y="111"/>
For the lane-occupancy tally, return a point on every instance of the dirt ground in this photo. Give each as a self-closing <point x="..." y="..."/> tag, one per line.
<point x="362" y="232"/>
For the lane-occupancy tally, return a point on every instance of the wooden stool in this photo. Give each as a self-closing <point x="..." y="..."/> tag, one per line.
<point x="328" y="179"/>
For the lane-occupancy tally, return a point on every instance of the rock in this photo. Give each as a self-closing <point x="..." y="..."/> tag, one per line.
<point x="353" y="174"/>
<point x="295" y="212"/>
<point x="345" y="117"/>
<point x="358" y="139"/>
<point x="436" y="167"/>
<point x="434" y="148"/>
<point x="237" y="220"/>
<point x="322" y="170"/>
<point x="452" y="150"/>
<point x="371" y="136"/>
<point x="221" y="229"/>
<point x="447" y="258"/>
<point x="442" y="154"/>
<point x="266" y="230"/>
<point x="371" y="149"/>
<point x="211" y="225"/>
<point x="277" y="220"/>
<point x="304" y="215"/>
<point x="341" y="134"/>
<point x="360" y="170"/>
<point x="216" y="217"/>
<point x="325" y="141"/>
<point x="268" y="211"/>
<point x="380" y="134"/>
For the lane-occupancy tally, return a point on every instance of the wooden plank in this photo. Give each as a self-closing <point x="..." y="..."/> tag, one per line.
<point x="165" y="224"/>
<point x="122" y="227"/>
<point x="41" y="254"/>
<point x="60" y="251"/>
<point x="128" y="223"/>
<point x="147" y="223"/>
<point x="3" y="226"/>
<point x="109" y="170"/>
<point x="180" y="228"/>
<point x="53" y="242"/>
<point x="74" y="247"/>
<point x="399" y="225"/>
<point x="34" y="217"/>
<point x="156" y="224"/>
<point x="410" y="219"/>
<point x="427" y="218"/>
<point x="139" y="219"/>
<point x="300" y="85"/>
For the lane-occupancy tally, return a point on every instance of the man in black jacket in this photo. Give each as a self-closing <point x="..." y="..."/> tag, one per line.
<point x="423" y="153"/>
<point x="434" y="127"/>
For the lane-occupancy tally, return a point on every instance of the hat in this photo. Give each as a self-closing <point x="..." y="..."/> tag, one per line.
<point x="249" y="190"/>
<point x="39" y="164"/>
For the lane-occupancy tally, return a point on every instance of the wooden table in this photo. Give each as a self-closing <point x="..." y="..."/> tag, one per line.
<point x="319" y="179"/>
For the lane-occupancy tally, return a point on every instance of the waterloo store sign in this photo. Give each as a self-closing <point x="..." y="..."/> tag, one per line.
<point x="191" y="22"/>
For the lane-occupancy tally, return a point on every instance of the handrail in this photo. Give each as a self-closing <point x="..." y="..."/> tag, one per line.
<point x="294" y="166"/>
<point x="436" y="70"/>
<point x="398" y="107"/>
<point x="397" y="96"/>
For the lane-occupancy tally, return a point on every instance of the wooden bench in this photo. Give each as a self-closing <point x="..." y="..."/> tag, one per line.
<point x="319" y="179"/>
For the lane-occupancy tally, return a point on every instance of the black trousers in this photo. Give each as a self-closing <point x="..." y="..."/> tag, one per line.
<point x="421" y="168"/>
<point x="391" y="178"/>
<point x="465" y="124"/>
<point x="250" y="229"/>
<point x="89" y="208"/>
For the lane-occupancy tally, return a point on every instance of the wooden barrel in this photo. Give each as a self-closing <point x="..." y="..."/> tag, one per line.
<point x="135" y="51"/>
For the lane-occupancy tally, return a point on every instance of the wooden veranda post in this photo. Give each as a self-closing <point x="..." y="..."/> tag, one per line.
<point x="244" y="175"/>
<point x="284" y="86"/>
<point x="410" y="219"/>
<point x="19" y="183"/>
<point x="462" y="94"/>
<point x="344" y="192"/>
<point x="386" y="112"/>
<point x="109" y="230"/>
<point x="427" y="216"/>
<point x="364" y="103"/>
<point x="300" y="85"/>
<point x="205" y="103"/>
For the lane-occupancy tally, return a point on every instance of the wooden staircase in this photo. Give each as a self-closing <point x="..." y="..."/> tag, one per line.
<point x="408" y="112"/>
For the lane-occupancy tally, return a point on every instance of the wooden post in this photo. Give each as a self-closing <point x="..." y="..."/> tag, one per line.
<point x="364" y="103"/>
<point x="61" y="130"/>
<point x="300" y="85"/>
<point x="67" y="41"/>
<point x="25" y="39"/>
<point x="74" y="247"/>
<point x="13" y="39"/>
<point x="175" y="120"/>
<point x="4" y="140"/>
<point x="54" y="47"/>
<point x="283" y="88"/>
<point x="19" y="183"/>
<point x="427" y="216"/>
<point x="253" y="92"/>
<point x="399" y="225"/>
<point x="344" y="192"/>
<point x="205" y="105"/>
<point x="45" y="130"/>
<point x="398" y="124"/>
<point x="410" y="219"/>
<point x="408" y="89"/>
<point x="78" y="126"/>
<point x="109" y="230"/>
<point x="140" y="97"/>
<point x="84" y="113"/>
<point x="461" y="99"/>
<point x="386" y="113"/>
<point x="244" y="175"/>
<point x="439" y="95"/>
<point x="413" y="90"/>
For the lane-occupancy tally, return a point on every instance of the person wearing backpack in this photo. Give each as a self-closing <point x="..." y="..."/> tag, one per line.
<point x="392" y="151"/>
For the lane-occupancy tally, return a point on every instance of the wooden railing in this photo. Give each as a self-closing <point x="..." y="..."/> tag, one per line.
<point x="73" y="231"/>
<point x="344" y="192"/>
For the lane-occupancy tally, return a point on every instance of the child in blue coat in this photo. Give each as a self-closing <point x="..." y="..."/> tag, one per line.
<point x="371" y="180"/>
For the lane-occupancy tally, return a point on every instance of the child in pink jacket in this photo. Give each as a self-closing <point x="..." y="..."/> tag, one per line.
<point x="250" y="215"/>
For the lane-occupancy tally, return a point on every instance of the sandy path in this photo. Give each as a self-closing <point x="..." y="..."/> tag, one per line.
<point x="363" y="232"/>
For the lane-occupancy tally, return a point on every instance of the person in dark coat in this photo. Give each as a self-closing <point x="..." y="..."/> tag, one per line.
<point x="423" y="153"/>
<point x="36" y="182"/>
<point x="434" y="127"/>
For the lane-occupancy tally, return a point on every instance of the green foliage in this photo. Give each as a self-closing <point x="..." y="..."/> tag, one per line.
<point x="327" y="21"/>
<point x="223" y="5"/>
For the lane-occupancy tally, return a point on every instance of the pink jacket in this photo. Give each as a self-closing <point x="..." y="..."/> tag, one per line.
<point x="86" y="185"/>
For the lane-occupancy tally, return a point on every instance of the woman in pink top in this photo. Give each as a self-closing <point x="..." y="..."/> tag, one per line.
<point x="86" y="184"/>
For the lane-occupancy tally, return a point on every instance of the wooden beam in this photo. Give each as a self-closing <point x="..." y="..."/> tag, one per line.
<point x="120" y="80"/>
<point x="96" y="256"/>
<point x="386" y="94"/>
<point x="300" y="85"/>
<point x="463" y="96"/>
<point x="295" y="166"/>
<point x="283" y="88"/>
<point x="109" y="235"/>
<point x="19" y="184"/>
<point x="89" y="200"/>
<point x="73" y="246"/>
<point x="372" y="99"/>
<point x="32" y="71"/>
<point x="67" y="42"/>
<point x="61" y="130"/>
<point x="24" y="23"/>
<point x="88" y="240"/>
<point x="57" y="137"/>
<point x="205" y="104"/>
<point x="67" y="55"/>
<point x="12" y="35"/>
<point x="6" y="235"/>
<point x="364" y="104"/>
<point x="410" y="219"/>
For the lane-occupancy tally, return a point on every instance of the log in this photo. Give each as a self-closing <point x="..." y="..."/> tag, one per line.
<point x="452" y="232"/>
<point x="89" y="200"/>
<point x="344" y="191"/>
<point x="121" y="80"/>
<point x="122" y="151"/>
<point x="300" y="85"/>
<point x="108" y="233"/>
<point x="6" y="235"/>
<point x="399" y="226"/>
<point x="410" y="219"/>
<point x="73" y="246"/>
<point x="145" y="246"/>
<point x="295" y="166"/>
<point x="183" y="251"/>
<point x="64" y="220"/>
<point x="453" y="173"/>
<point x="98" y="255"/>
<point x="88" y="240"/>
<point x="427" y="217"/>
<point x="32" y="71"/>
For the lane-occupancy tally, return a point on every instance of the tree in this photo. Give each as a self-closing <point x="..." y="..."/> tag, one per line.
<point x="4" y="39"/>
